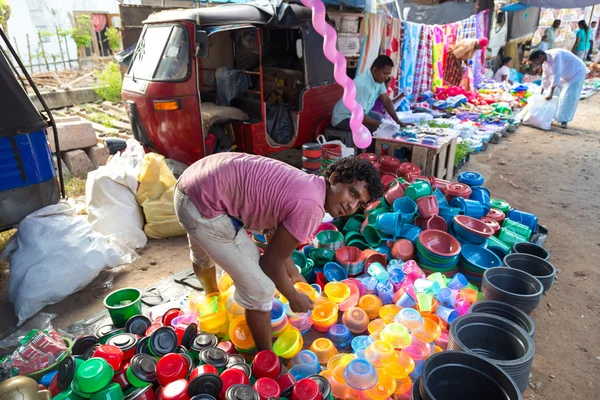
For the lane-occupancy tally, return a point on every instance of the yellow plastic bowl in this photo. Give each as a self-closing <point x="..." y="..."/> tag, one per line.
<point x="325" y="313"/>
<point x="371" y="304"/>
<point x="306" y="289"/>
<point x="379" y="353"/>
<point x="385" y="387"/>
<point x="402" y="367"/>
<point x="225" y="282"/>
<point x="375" y="327"/>
<point x="337" y="291"/>
<point x="430" y="332"/>
<point x="323" y="349"/>
<point x="204" y="305"/>
<point x="337" y="364"/>
<point x="289" y="344"/>
<point x="213" y="323"/>
<point x="388" y="312"/>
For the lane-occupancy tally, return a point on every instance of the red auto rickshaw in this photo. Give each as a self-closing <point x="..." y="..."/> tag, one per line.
<point x="233" y="76"/>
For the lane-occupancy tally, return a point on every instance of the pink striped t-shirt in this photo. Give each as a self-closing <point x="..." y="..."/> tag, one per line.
<point x="261" y="192"/>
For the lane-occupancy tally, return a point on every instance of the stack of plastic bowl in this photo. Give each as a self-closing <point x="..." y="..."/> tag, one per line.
<point x="388" y="312"/>
<point x="472" y="376"/>
<point x="360" y="374"/>
<point x="323" y="349"/>
<point x="541" y="269"/>
<point x="430" y="332"/>
<point x="397" y="335"/>
<point x="375" y="327"/>
<point x="385" y="387"/>
<point x="332" y="240"/>
<point x="289" y="344"/>
<point x="337" y="364"/>
<point x="512" y="286"/>
<point x="279" y="319"/>
<point x="306" y="357"/>
<point x="351" y="259"/>
<point x="371" y="305"/>
<point x="411" y="319"/>
<point x="241" y="337"/>
<point x="470" y="230"/>
<point x="337" y="292"/>
<point x="474" y="260"/>
<point x="340" y="336"/>
<point x="498" y="340"/>
<point x="306" y="266"/>
<point x="438" y="251"/>
<point x="380" y="352"/>
<point x="324" y="315"/>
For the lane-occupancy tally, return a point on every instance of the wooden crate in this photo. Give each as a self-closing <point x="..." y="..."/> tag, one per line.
<point x="438" y="162"/>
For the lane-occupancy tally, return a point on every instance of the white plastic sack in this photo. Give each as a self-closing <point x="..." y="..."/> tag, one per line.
<point x="110" y="197"/>
<point x="56" y="253"/>
<point x="413" y="118"/>
<point x="346" y="151"/>
<point x="540" y="112"/>
<point x="388" y="128"/>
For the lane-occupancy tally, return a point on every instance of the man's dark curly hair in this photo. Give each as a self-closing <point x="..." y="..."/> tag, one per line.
<point x="351" y="168"/>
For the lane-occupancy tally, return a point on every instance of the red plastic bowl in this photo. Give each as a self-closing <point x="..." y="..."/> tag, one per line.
<point x="349" y="255"/>
<point x="389" y="164"/>
<point x="474" y="225"/>
<point x="170" y="368"/>
<point x="311" y="163"/>
<point x="440" y="243"/>
<point x="368" y="156"/>
<point x="372" y="256"/>
<point x="457" y="190"/>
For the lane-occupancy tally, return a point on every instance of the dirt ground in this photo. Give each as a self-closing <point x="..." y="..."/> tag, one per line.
<point x="555" y="174"/>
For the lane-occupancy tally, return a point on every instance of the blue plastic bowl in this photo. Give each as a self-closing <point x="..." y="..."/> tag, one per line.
<point x="334" y="272"/>
<point x="480" y="257"/>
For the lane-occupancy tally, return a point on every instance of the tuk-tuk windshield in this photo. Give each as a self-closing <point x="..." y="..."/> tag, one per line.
<point x="162" y="54"/>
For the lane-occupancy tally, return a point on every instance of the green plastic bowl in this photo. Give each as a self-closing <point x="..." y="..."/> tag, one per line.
<point x="37" y="376"/>
<point x="77" y="390"/>
<point x="123" y="304"/>
<point x="93" y="375"/>
<point x="110" y="392"/>
<point x="500" y="204"/>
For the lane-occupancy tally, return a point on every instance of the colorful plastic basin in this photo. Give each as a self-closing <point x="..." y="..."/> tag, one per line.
<point x="289" y="344"/>
<point x="380" y="352"/>
<point x="360" y="374"/>
<point x="439" y="243"/>
<point x="323" y="349"/>
<point x="337" y="291"/>
<point x="397" y="335"/>
<point x="388" y="312"/>
<point x="371" y="304"/>
<point x="356" y="319"/>
<point x="479" y="257"/>
<point x="430" y="332"/>
<point x="240" y="335"/>
<point x="375" y="327"/>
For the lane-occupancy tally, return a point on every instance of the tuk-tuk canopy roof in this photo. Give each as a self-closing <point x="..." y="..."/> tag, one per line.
<point x="263" y="12"/>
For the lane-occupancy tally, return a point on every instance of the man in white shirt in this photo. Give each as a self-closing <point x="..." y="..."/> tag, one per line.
<point x="564" y="70"/>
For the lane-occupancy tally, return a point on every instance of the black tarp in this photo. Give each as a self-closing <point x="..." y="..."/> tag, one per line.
<point x="319" y="70"/>
<point x="18" y="115"/>
<point x="440" y="14"/>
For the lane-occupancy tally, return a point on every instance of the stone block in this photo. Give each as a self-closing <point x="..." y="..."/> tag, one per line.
<point x="78" y="162"/>
<point x="98" y="155"/>
<point x="73" y="135"/>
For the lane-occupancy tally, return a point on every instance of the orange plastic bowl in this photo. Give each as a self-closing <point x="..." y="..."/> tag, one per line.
<point x="323" y="349"/>
<point x="371" y="304"/>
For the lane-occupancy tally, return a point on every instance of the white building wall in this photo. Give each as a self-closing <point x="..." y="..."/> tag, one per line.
<point x="31" y="16"/>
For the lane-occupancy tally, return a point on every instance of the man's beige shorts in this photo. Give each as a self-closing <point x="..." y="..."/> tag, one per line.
<point x="216" y="241"/>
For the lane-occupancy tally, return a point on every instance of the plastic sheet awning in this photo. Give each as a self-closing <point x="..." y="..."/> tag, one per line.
<point x="557" y="3"/>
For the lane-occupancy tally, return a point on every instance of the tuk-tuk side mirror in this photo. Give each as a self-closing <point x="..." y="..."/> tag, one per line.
<point x="202" y="45"/>
<point x="299" y="49"/>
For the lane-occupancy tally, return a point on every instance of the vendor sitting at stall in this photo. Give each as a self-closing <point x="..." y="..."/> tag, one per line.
<point x="456" y="62"/>
<point x="370" y="85"/>
<point x="565" y="70"/>
<point x="504" y="72"/>
<point x="219" y="195"/>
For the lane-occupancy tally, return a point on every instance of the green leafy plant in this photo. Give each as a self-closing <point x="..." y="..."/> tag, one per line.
<point x="462" y="150"/>
<point x="432" y="123"/>
<point x="110" y="83"/>
<point x="81" y="32"/>
<point x="114" y="39"/>
<point x="4" y="14"/>
<point x="101" y="119"/>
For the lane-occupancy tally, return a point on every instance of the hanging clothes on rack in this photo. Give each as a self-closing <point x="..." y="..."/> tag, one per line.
<point x="410" y="45"/>
<point x="391" y="48"/>
<point x="437" y="56"/>
<point x="371" y="34"/>
<point x="424" y="65"/>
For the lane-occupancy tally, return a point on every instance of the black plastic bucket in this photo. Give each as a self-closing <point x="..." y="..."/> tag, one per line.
<point x="456" y="375"/>
<point x="505" y="311"/>
<point x="542" y="269"/>
<point x="512" y="286"/>
<point x="531" y="248"/>
<point x="498" y="340"/>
